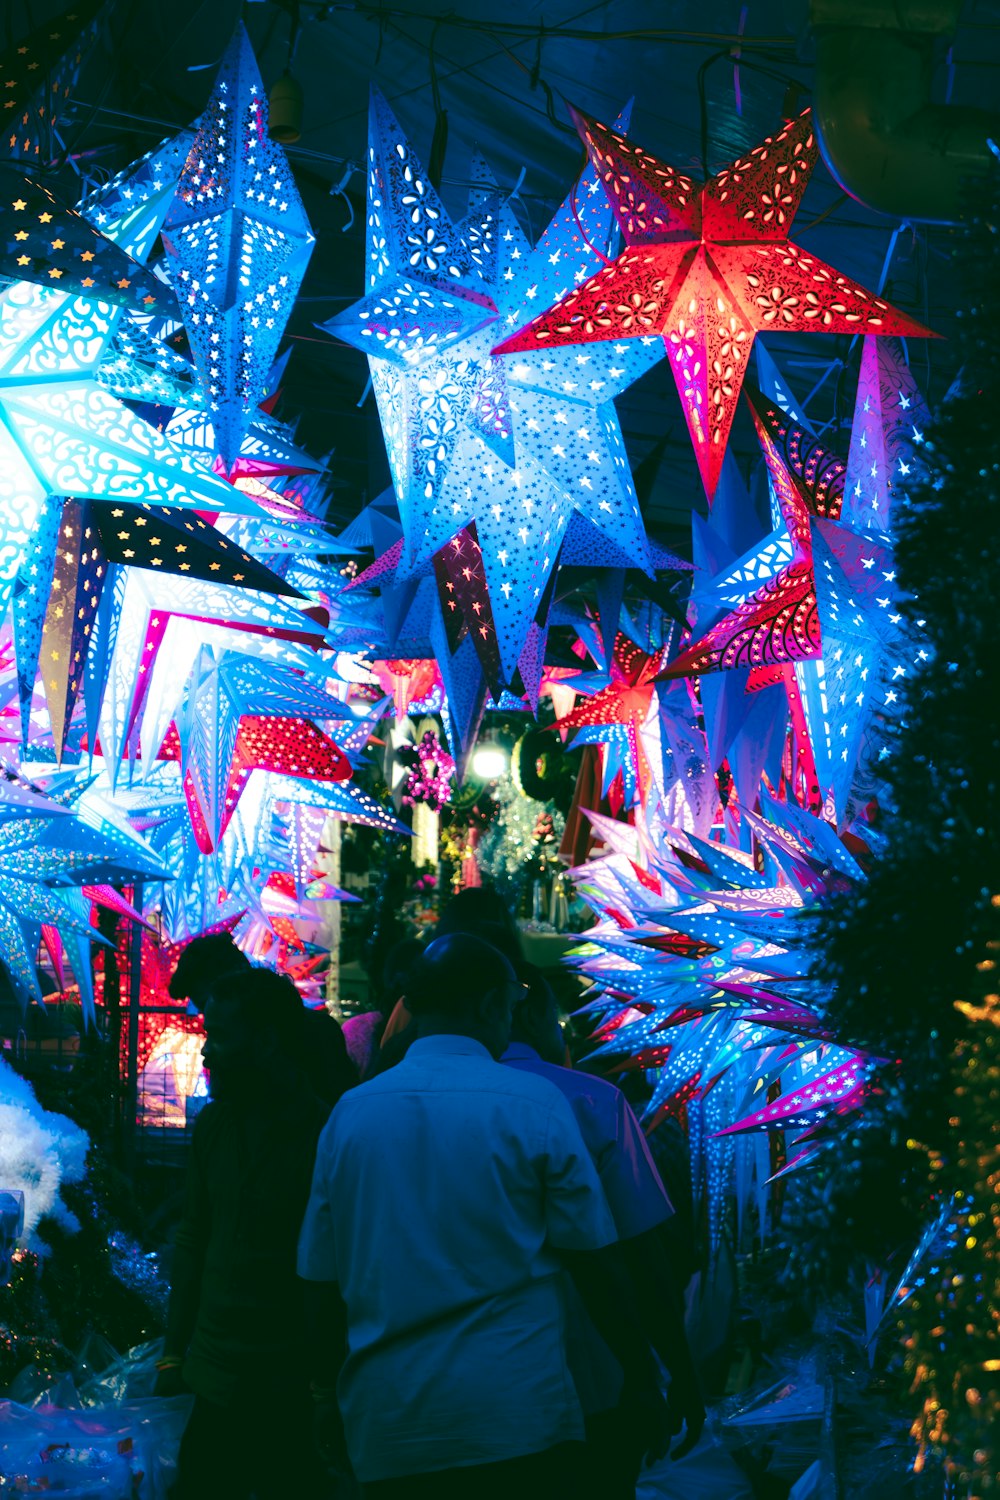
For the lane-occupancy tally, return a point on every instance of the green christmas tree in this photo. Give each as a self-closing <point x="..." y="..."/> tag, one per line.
<point x="912" y="952"/>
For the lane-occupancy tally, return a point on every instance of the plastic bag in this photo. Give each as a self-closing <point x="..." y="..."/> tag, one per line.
<point x="706" y="1473"/>
<point x="76" y="1474"/>
<point x="126" y="1377"/>
<point x="94" y="1451"/>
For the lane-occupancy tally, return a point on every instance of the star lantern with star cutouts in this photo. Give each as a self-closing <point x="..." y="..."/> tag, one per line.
<point x="238" y="242"/>
<point x="62" y="434"/>
<point x="37" y="79"/>
<point x="45" y="241"/>
<point x="469" y="440"/>
<point x="706" y="267"/>
<point x="239" y="715"/>
<point x="92" y="539"/>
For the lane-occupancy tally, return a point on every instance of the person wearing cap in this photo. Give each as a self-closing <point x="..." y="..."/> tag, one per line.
<point x="449" y="1196"/>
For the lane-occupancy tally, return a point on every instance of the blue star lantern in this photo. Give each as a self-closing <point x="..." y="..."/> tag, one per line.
<point x="239" y="242"/>
<point x="516" y="447"/>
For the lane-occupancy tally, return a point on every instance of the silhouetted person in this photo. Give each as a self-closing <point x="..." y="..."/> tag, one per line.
<point x="449" y="1194"/>
<point x="204" y="961"/>
<point x="363" y="1033"/>
<point x="235" y="1328"/>
<point x="642" y="1211"/>
<point x="481" y="912"/>
<point x="211" y="958"/>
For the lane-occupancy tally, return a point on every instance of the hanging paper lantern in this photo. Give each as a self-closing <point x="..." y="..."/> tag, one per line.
<point x="43" y="240"/>
<point x="706" y="268"/>
<point x="38" y="77"/>
<point x="465" y="446"/>
<point x="239" y="243"/>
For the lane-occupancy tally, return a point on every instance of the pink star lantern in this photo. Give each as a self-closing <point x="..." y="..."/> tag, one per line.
<point x="409" y="681"/>
<point x="707" y="267"/>
<point x="625" y="701"/>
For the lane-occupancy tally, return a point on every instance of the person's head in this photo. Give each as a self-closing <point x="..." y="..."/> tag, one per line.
<point x="482" y="911"/>
<point x="253" y="1028"/>
<point x="203" y="962"/>
<point x="535" y="1021"/>
<point x="463" y="985"/>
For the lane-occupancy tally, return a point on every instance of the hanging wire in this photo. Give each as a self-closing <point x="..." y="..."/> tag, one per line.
<point x="294" y="31"/>
<point x="439" y="140"/>
<point x="714" y="57"/>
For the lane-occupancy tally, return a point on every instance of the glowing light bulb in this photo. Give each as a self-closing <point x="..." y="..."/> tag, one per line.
<point x="489" y="762"/>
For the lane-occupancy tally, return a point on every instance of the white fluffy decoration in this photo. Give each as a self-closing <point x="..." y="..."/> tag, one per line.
<point x="39" y="1151"/>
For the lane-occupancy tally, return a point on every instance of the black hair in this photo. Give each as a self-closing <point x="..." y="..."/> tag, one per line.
<point x="205" y="959"/>
<point x="397" y="968"/>
<point x="268" y="1003"/>
<point x="481" y="911"/>
<point x="454" y="973"/>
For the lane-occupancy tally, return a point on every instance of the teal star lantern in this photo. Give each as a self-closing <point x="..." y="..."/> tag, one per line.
<point x="63" y="435"/>
<point x="239" y="242"/>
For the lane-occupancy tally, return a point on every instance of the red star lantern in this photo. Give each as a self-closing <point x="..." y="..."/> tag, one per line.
<point x="707" y="268"/>
<point x="779" y="624"/>
<point x="289" y="747"/>
<point x="624" y="701"/>
<point x="408" y="680"/>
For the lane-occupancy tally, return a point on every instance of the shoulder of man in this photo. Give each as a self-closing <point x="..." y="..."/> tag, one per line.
<point x="487" y="1078"/>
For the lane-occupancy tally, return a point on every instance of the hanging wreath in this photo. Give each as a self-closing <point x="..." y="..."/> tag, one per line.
<point x="541" y="768"/>
<point x="431" y="770"/>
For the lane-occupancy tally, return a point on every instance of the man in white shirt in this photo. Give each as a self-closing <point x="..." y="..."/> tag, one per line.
<point x="449" y="1194"/>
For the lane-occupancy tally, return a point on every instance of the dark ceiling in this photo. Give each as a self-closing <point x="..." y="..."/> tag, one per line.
<point x="501" y="73"/>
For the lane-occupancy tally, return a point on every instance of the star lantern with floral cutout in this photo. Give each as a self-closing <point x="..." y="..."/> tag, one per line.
<point x="707" y="267"/>
<point x="828" y="621"/>
<point x="469" y="439"/>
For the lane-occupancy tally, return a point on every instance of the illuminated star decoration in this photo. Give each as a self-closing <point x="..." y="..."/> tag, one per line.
<point x="62" y="434"/>
<point x="622" y="707"/>
<point x="239" y="242"/>
<point x="44" y="860"/>
<point x="42" y="240"/>
<point x="37" y="79"/>
<point x="832" y="612"/>
<point x="707" y="267"/>
<point x="138" y="362"/>
<point x="776" y="623"/>
<point x="239" y="715"/>
<point x="887" y="437"/>
<point x="465" y="446"/>
<point x="708" y="977"/>
<point x="92" y="539"/>
<point x="150" y="637"/>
